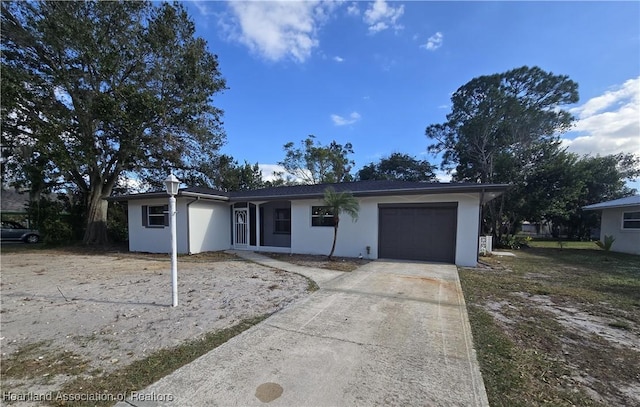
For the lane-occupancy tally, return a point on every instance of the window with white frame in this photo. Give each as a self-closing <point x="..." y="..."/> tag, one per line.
<point x="631" y="220"/>
<point x="321" y="216"/>
<point x="155" y="216"/>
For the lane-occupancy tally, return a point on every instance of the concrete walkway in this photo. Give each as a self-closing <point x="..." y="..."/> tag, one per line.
<point x="320" y="276"/>
<point x="389" y="333"/>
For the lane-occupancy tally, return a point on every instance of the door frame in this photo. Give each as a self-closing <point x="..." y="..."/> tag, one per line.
<point x="237" y="237"/>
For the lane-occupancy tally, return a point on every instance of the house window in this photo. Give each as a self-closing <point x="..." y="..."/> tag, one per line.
<point x="321" y="216"/>
<point x="155" y="216"/>
<point x="631" y="220"/>
<point x="282" y="218"/>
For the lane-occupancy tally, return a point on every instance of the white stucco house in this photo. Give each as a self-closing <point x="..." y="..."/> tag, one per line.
<point x="398" y="220"/>
<point x="620" y="219"/>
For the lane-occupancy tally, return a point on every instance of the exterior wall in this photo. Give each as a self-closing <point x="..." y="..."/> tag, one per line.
<point x="209" y="225"/>
<point x="156" y="239"/>
<point x="354" y="237"/>
<point x="627" y="240"/>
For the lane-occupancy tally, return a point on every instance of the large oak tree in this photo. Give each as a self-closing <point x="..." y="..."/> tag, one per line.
<point x="500" y="128"/>
<point x="94" y="90"/>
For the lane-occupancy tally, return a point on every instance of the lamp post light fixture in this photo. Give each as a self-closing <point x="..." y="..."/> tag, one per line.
<point x="172" y="184"/>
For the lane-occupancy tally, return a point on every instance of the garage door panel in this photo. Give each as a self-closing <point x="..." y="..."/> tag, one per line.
<point x="418" y="232"/>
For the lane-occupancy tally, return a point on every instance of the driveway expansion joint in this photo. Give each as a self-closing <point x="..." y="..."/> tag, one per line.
<point x="322" y="336"/>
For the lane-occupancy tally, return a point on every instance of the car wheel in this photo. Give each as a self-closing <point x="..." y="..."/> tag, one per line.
<point x="32" y="239"/>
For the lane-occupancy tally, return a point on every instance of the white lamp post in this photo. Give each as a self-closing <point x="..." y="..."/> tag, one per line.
<point x="172" y="183"/>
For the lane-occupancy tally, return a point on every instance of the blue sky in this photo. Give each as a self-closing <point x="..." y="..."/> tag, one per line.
<point x="376" y="74"/>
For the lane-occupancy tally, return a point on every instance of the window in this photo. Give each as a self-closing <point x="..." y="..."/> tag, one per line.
<point x="631" y="220"/>
<point x="282" y="218"/>
<point x="155" y="216"/>
<point x="321" y="216"/>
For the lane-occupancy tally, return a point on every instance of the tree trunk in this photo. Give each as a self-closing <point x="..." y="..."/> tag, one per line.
<point x="96" y="232"/>
<point x="335" y="236"/>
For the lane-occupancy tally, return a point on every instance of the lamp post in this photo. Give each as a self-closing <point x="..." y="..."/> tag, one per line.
<point x="172" y="183"/>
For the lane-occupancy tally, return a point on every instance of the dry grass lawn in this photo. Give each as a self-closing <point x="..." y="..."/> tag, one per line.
<point x="557" y="327"/>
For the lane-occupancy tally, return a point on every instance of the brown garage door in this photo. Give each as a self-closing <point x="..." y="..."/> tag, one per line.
<point x="424" y="232"/>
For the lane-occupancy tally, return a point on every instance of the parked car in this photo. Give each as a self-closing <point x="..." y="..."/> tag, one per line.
<point x="15" y="231"/>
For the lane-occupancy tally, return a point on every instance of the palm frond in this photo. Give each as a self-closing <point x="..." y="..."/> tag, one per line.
<point x="341" y="202"/>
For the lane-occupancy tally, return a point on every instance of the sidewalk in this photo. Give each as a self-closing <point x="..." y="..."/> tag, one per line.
<point x="320" y="276"/>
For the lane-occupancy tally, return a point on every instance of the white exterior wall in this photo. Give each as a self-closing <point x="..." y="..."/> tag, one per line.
<point x="354" y="237"/>
<point x="156" y="239"/>
<point x="209" y="226"/>
<point x="627" y="240"/>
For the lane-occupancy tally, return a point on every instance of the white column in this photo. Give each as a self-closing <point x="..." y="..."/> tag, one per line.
<point x="174" y="250"/>
<point x="257" y="225"/>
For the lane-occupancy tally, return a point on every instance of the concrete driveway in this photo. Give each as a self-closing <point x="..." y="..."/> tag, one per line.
<point x="389" y="333"/>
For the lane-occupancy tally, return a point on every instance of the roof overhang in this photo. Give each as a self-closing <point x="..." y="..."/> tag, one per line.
<point x="630" y="201"/>
<point x="489" y="191"/>
<point x="163" y="194"/>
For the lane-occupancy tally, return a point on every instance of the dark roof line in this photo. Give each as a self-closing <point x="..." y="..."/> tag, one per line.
<point x="357" y="188"/>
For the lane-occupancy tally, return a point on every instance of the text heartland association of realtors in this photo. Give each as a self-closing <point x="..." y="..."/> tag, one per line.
<point x="59" y="396"/>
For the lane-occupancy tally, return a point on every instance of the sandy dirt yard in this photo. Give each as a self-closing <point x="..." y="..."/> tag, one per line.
<point x="112" y="309"/>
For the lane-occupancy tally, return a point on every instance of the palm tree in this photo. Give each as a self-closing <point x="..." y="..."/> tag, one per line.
<point x="336" y="203"/>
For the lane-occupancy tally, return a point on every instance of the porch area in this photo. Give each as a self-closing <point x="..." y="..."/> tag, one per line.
<point x="261" y="226"/>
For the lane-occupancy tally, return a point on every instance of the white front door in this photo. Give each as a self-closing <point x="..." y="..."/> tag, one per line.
<point x="241" y="227"/>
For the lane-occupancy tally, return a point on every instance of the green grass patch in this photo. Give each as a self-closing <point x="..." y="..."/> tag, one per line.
<point x="562" y="244"/>
<point x="36" y="360"/>
<point x="144" y="372"/>
<point x="311" y="285"/>
<point x="499" y="370"/>
<point x="529" y="355"/>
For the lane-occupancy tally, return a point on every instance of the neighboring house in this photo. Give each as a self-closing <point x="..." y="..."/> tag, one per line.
<point x="14" y="205"/>
<point x="397" y="220"/>
<point x="620" y="219"/>
<point x="536" y="229"/>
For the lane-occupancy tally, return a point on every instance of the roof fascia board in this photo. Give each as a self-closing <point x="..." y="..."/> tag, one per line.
<point x="203" y="196"/>
<point x="498" y="188"/>
<point x="587" y="208"/>
<point x="156" y="195"/>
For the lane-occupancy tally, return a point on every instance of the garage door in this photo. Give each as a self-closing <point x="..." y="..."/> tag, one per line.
<point x="424" y="232"/>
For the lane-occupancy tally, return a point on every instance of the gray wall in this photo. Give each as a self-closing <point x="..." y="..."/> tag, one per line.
<point x="270" y="238"/>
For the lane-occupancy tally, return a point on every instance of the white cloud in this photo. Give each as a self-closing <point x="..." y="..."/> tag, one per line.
<point x="277" y="30"/>
<point x="381" y="16"/>
<point x="442" y="175"/>
<point x="269" y="170"/>
<point x="353" y="9"/>
<point x="338" y="59"/>
<point x="434" y="42"/>
<point x="609" y="123"/>
<point x="202" y="7"/>
<point x="343" y="121"/>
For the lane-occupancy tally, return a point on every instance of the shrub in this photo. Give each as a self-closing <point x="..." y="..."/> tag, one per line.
<point x="512" y="242"/>
<point x="117" y="226"/>
<point x="608" y="242"/>
<point x="58" y="221"/>
<point x="56" y="231"/>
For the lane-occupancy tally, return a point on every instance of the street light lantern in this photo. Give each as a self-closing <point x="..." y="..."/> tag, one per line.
<point x="172" y="183"/>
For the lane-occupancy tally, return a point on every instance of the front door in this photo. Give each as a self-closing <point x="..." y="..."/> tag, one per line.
<point x="240" y="227"/>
